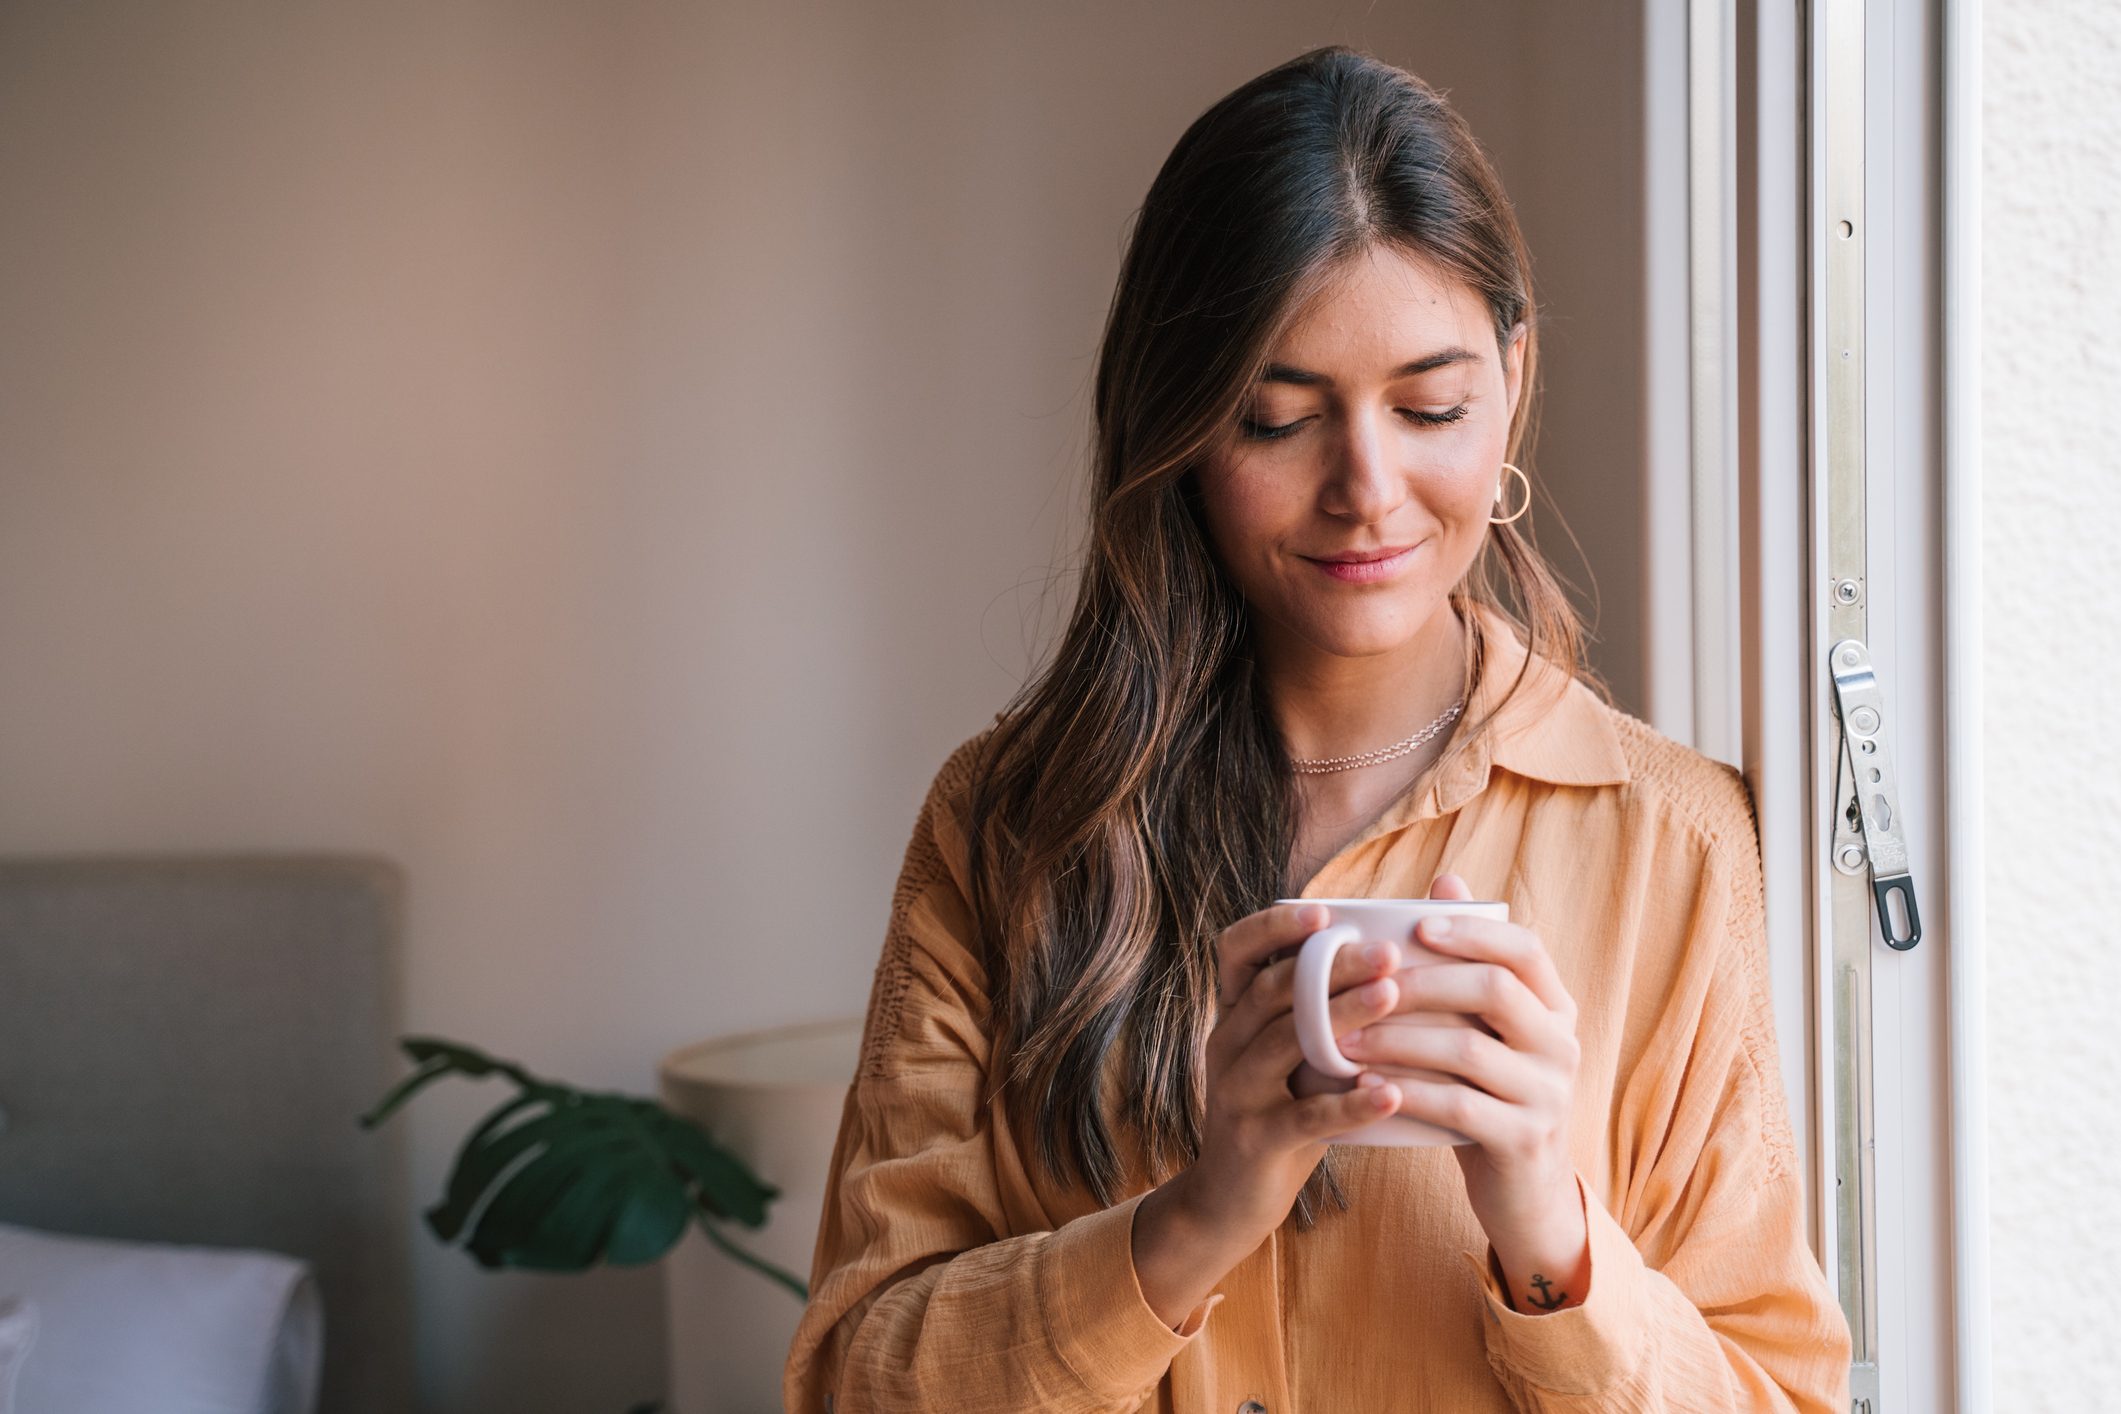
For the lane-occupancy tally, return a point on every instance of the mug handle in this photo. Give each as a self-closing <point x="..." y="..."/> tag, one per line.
<point x="1311" y="1006"/>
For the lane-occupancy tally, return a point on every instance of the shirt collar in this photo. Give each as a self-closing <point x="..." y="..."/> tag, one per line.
<point x="1552" y="728"/>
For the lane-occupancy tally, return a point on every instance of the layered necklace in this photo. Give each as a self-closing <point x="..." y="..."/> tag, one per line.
<point x="1384" y="753"/>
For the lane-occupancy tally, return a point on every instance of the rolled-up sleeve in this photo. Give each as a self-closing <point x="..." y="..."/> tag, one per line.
<point x="1704" y="1293"/>
<point x="920" y="1296"/>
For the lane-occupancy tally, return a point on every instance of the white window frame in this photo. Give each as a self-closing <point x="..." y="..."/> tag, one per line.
<point x="1739" y="618"/>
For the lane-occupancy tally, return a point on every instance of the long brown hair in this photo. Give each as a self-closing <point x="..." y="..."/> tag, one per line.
<point x="1135" y="797"/>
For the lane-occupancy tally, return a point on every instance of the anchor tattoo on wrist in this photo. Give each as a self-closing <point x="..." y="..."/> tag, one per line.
<point x="1546" y="1300"/>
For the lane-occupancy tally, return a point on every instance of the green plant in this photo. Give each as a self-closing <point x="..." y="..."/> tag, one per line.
<point x="560" y="1179"/>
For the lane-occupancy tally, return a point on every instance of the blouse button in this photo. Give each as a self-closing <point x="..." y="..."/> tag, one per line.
<point x="1251" y="1406"/>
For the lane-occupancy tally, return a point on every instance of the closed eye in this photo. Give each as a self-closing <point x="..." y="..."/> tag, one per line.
<point x="1265" y="432"/>
<point x="1436" y="419"/>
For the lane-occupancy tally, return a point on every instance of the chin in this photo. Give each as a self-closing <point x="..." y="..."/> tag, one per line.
<point x="1359" y="635"/>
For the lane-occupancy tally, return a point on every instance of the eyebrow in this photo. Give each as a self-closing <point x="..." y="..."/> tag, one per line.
<point x="1304" y="377"/>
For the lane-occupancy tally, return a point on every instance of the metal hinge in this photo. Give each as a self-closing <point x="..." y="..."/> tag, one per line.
<point x="1867" y="816"/>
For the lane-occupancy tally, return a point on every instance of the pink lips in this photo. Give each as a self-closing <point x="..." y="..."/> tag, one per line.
<point x="1366" y="567"/>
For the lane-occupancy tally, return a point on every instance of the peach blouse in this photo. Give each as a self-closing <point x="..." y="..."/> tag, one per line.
<point x="949" y="1275"/>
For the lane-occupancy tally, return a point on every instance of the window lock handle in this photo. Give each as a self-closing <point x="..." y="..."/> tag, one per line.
<point x="1867" y="817"/>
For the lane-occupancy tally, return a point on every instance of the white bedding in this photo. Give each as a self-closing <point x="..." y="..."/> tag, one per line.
<point x="156" y="1328"/>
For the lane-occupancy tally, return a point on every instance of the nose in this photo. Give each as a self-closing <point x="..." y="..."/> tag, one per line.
<point x="1366" y="483"/>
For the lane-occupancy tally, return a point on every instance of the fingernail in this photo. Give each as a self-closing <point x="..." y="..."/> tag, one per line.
<point x="1313" y="916"/>
<point x="1378" y="952"/>
<point x="1436" y="927"/>
<point x="1350" y="1039"/>
<point x="1375" y="992"/>
<point x="1369" y="1080"/>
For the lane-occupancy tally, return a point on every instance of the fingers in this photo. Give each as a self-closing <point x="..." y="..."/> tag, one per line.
<point x="1502" y="1069"/>
<point x="1472" y="1055"/>
<point x="1271" y="989"/>
<point x="1485" y="990"/>
<point x="1493" y="1124"/>
<point x="1510" y="945"/>
<point x="1451" y="886"/>
<point x="1243" y="947"/>
<point x="1321" y="1117"/>
<point x="1265" y="1060"/>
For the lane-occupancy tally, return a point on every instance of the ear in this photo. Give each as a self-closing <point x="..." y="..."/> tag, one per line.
<point x="1513" y="364"/>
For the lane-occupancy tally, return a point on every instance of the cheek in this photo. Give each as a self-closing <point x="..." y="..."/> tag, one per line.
<point x="1474" y="509"/>
<point x="1244" y="510"/>
<point x="1466" y="501"/>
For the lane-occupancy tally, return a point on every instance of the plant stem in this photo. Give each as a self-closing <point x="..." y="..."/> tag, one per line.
<point x="759" y="1264"/>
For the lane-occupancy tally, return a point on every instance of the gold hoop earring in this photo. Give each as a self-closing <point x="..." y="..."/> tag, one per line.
<point x="1505" y="520"/>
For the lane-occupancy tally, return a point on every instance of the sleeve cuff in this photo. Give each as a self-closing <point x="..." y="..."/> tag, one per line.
<point x="1587" y="1348"/>
<point x="1098" y="1319"/>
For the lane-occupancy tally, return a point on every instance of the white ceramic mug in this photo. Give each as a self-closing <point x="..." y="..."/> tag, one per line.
<point x="1325" y="1069"/>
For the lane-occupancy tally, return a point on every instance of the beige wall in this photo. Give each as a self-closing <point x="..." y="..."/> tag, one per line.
<point x="603" y="457"/>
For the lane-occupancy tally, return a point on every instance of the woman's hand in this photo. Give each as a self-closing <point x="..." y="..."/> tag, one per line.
<point x="1513" y="1094"/>
<point x="1259" y="1141"/>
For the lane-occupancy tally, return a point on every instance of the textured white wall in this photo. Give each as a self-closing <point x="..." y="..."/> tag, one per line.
<point x="2051" y="370"/>
<point x="588" y="454"/>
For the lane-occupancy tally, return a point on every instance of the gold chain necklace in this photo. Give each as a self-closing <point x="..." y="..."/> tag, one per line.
<point x="1383" y="753"/>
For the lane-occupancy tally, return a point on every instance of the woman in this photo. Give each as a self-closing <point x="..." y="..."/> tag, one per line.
<point x="1071" y="1174"/>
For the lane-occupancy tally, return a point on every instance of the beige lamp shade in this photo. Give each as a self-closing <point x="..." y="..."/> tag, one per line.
<point x="774" y="1099"/>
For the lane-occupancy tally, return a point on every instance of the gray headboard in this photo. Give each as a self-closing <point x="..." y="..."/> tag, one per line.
<point x="185" y="1044"/>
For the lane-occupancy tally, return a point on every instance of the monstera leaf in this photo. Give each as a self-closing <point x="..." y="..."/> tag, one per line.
<point x="558" y="1179"/>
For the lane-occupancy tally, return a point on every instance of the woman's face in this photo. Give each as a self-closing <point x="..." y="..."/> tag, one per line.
<point x="1378" y="430"/>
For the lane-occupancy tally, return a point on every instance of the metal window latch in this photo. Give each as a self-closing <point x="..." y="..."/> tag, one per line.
<point x="1867" y="796"/>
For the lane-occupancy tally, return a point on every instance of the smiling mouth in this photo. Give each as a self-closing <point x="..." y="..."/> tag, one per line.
<point x="1362" y="557"/>
<point x="1365" y="567"/>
